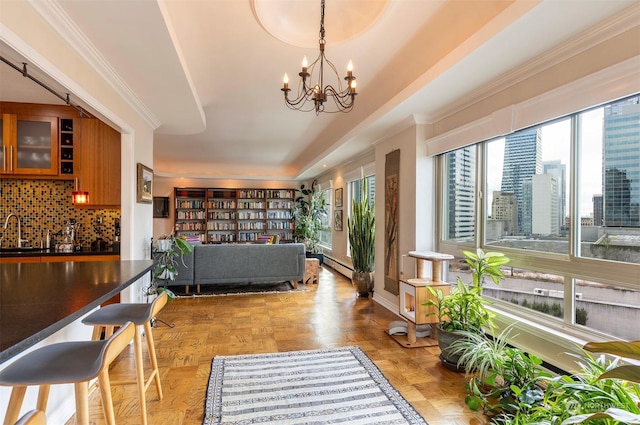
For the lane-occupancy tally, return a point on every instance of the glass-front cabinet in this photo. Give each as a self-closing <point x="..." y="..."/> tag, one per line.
<point x="29" y="145"/>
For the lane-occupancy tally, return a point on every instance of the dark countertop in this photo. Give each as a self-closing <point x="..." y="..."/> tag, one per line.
<point x="38" y="299"/>
<point x="37" y="252"/>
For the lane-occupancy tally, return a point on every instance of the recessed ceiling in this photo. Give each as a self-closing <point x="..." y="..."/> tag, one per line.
<point x="206" y="74"/>
<point x="297" y="22"/>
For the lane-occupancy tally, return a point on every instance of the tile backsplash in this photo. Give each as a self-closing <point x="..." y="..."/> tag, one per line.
<point x="46" y="205"/>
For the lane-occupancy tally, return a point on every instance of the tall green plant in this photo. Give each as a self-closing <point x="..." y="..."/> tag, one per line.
<point x="464" y="309"/>
<point x="308" y="215"/>
<point x="362" y="233"/>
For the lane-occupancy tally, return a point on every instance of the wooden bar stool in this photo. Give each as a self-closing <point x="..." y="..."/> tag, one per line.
<point x="33" y="417"/>
<point x="75" y="362"/>
<point x="140" y="314"/>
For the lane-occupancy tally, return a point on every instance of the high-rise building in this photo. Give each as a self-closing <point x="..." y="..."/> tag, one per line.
<point x="597" y="210"/>
<point x="461" y="194"/>
<point x="621" y="165"/>
<point x="559" y="171"/>
<point x="522" y="160"/>
<point x="544" y="208"/>
<point x="504" y="207"/>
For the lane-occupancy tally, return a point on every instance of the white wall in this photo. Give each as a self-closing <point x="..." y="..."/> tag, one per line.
<point x="27" y="33"/>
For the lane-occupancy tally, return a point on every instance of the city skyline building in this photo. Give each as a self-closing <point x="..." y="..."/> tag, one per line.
<point x="544" y="208"/>
<point x="522" y="160"/>
<point x="461" y="196"/>
<point x="559" y="170"/>
<point x="621" y="163"/>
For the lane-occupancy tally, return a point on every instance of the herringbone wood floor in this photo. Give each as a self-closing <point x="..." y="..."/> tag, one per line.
<point x="327" y="315"/>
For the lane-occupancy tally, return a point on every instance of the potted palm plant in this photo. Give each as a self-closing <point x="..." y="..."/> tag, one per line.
<point x="362" y="235"/>
<point x="464" y="309"/>
<point x="308" y="215"/>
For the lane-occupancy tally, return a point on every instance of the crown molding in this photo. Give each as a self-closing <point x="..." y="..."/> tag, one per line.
<point x="618" y="24"/>
<point x="57" y="18"/>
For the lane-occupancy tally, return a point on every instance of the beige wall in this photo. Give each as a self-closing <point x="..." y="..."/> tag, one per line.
<point x="163" y="186"/>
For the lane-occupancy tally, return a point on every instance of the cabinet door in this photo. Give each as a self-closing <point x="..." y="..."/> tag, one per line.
<point x="35" y="150"/>
<point x="3" y="163"/>
<point x="99" y="163"/>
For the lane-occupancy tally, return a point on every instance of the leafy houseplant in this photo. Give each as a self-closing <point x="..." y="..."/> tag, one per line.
<point x="511" y="386"/>
<point x="362" y="238"/>
<point x="464" y="309"/>
<point x="309" y="212"/>
<point x="169" y="250"/>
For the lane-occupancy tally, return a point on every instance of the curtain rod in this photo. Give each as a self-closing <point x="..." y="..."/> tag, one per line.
<point x="65" y="99"/>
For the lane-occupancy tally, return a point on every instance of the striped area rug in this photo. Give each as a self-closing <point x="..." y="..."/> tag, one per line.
<point x="303" y="387"/>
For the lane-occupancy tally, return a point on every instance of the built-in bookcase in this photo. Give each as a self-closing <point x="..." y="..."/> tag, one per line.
<point x="223" y="215"/>
<point x="190" y="213"/>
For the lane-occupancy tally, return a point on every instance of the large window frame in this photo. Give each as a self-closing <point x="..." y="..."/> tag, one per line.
<point x="571" y="266"/>
<point x="366" y="172"/>
<point x="326" y="234"/>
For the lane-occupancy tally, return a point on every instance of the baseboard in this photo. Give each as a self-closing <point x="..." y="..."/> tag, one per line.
<point x="341" y="268"/>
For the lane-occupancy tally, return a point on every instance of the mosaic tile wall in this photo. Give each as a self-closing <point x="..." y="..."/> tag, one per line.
<point x="46" y="204"/>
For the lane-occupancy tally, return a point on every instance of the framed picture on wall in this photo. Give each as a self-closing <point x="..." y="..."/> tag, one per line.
<point x="160" y="207"/>
<point x="337" y="220"/>
<point x="145" y="184"/>
<point x="338" y="200"/>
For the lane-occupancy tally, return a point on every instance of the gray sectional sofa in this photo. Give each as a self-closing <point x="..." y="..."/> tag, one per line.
<point x="241" y="263"/>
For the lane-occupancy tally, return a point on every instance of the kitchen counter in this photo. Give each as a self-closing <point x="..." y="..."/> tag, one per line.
<point x="38" y="252"/>
<point x="38" y="299"/>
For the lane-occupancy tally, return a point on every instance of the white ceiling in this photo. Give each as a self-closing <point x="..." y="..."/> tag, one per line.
<point x="208" y="74"/>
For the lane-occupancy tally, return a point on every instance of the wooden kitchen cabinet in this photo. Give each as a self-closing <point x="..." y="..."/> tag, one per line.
<point x="29" y="145"/>
<point x="99" y="165"/>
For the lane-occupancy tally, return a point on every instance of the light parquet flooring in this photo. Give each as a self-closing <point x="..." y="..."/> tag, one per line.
<point x="327" y="315"/>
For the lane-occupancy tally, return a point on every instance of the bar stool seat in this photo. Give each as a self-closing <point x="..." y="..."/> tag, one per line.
<point x="140" y="314"/>
<point x="75" y="362"/>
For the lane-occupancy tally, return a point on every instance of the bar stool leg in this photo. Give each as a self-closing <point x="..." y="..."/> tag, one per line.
<point x="43" y="397"/>
<point x="137" y="339"/>
<point x="107" y="400"/>
<point x="15" y="403"/>
<point x="154" y="360"/>
<point x="82" y="402"/>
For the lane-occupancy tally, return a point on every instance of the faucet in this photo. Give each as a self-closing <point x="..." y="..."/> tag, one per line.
<point x="6" y="223"/>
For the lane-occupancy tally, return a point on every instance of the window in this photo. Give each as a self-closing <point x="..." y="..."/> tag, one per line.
<point x="325" y="233"/>
<point x="527" y="184"/>
<point x="356" y="187"/>
<point x="569" y="190"/>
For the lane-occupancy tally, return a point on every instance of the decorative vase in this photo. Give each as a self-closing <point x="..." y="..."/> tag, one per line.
<point x="363" y="282"/>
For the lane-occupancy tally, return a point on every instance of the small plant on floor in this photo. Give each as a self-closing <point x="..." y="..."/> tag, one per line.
<point x="506" y="379"/>
<point x="168" y="251"/>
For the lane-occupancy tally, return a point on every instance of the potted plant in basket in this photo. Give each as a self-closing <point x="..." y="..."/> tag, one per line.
<point x="362" y="238"/>
<point x="309" y="212"/>
<point x="464" y="309"/>
<point x="168" y="251"/>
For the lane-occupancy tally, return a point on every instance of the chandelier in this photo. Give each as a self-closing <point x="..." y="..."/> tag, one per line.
<point x="318" y="93"/>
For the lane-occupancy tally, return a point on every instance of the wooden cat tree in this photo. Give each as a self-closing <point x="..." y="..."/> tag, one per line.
<point x="413" y="294"/>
